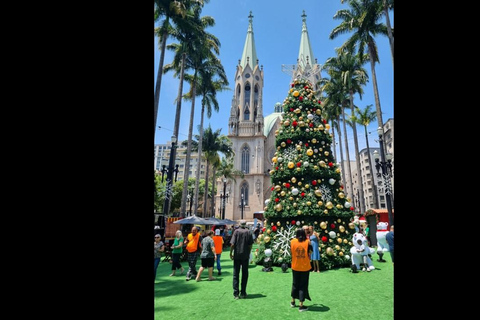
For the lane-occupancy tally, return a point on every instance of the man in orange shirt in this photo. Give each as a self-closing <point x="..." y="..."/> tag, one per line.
<point x="301" y="250"/>
<point x="194" y="246"/>
<point x="218" y="241"/>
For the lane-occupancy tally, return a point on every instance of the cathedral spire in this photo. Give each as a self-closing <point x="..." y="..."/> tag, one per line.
<point x="305" y="54"/>
<point x="249" y="55"/>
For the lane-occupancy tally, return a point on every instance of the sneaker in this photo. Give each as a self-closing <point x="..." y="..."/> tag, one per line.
<point x="292" y="304"/>
<point x="302" y="308"/>
<point x="243" y="296"/>
<point x="236" y="297"/>
<point x="219" y="273"/>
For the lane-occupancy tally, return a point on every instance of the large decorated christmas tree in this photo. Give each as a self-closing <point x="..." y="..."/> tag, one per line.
<point x="306" y="186"/>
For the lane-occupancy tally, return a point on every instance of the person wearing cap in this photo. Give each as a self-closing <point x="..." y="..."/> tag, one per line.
<point x="218" y="241"/>
<point x="158" y="248"/>
<point x="240" y="248"/>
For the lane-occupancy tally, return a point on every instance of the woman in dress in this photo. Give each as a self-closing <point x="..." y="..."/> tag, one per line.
<point x="315" y="257"/>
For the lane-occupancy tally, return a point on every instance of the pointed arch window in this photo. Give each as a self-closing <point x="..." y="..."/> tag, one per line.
<point x="246" y="113"/>
<point x="245" y="159"/>
<point x="244" y="191"/>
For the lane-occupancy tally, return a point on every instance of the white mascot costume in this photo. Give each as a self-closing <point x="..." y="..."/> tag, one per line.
<point x="382" y="245"/>
<point x="360" y="257"/>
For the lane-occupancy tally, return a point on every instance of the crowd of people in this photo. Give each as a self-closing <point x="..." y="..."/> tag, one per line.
<point x="209" y="245"/>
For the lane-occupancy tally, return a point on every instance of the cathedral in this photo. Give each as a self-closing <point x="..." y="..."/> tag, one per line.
<point x="252" y="133"/>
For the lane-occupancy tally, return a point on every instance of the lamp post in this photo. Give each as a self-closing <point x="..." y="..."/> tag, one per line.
<point x="170" y="170"/>
<point x="242" y="205"/>
<point x="386" y="173"/>
<point x="222" y="197"/>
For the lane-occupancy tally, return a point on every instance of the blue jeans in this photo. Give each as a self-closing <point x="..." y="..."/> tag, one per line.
<point x="219" y="267"/>
<point x="156" y="261"/>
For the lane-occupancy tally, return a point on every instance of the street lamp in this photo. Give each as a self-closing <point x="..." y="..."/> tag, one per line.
<point x="242" y="205"/>
<point x="222" y="197"/>
<point x="170" y="170"/>
<point x="386" y="173"/>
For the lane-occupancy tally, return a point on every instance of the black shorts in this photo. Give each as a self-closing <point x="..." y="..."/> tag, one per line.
<point x="208" y="262"/>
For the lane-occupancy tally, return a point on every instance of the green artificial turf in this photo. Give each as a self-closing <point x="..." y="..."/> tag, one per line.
<point x="336" y="294"/>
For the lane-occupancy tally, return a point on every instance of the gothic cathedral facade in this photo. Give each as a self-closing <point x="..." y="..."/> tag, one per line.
<point x="252" y="134"/>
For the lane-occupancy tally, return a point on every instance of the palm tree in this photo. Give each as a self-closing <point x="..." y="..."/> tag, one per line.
<point x="387" y="5"/>
<point x="333" y="104"/>
<point x="171" y="11"/>
<point x="348" y="67"/>
<point x="214" y="142"/>
<point x="364" y="118"/>
<point x="195" y="47"/>
<point x="208" y="88"/>
<point x="363" y="19"/>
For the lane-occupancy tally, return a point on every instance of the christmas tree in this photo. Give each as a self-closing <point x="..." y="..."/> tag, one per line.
<point x="306" y="186"/>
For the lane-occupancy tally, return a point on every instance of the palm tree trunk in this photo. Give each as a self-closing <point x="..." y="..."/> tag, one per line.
<point x="205" y="192"/>
<point x="158" y="85"/>
<point x="213" y="191"/>
<point x="375" y="93"/>
<point x="350" y="183"/>
<point x="189" y="152"/>
<point x="375" y="196"/>
<point x="389" y="27"/>
<point x="357" y="157"/>
<point x="177" y="126"/>
<point x="339" y="132"/>
<point x="200" y="146"/>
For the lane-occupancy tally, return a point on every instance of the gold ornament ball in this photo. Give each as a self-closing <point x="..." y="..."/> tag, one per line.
<point x="269" y="231"/>
<point x="323" y="225"/>
<point x="325" y="211"/>
<point x="351" y="225"/>
<point x="345" y="241"/>
<point x="340" y="253"/>
<point x="318" y="193"/>
<point x="339" y="240"/>
<point x="278" y="207"/>
<point x="267" y="239"/>
<point x="329" y="251"/>
<point x="293" y="179"/>
<point x="341" y="195"/>
<point x="341" y="228"/>
<point x="329" y="205"/>
<point x="278" y="223"/>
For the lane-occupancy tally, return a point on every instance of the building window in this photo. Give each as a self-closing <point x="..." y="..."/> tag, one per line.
<point x="245" y="159"/>
<point x="244" y="191"/>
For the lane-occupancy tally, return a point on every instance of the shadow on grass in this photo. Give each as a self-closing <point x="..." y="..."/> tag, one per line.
<point x="255" y="296"/>
<point x="317" y="307"/>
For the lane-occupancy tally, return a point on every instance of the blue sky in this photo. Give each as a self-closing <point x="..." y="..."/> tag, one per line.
<point x="277" y="27"/>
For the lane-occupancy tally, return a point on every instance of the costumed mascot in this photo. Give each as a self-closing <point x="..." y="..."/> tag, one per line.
<point x="361" y="257"/>
<point x="382" y="245"/>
